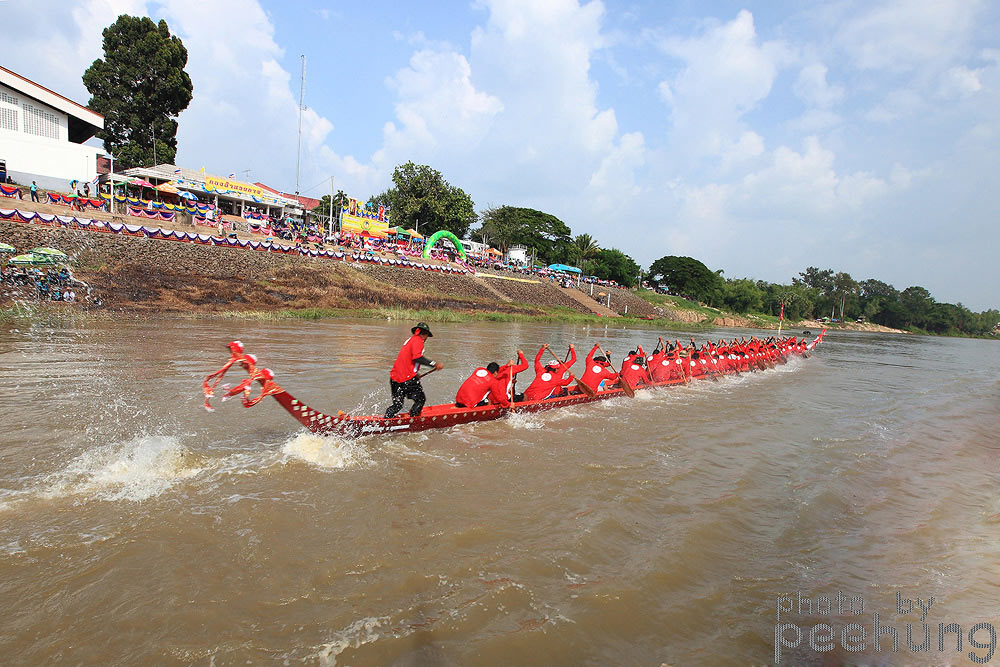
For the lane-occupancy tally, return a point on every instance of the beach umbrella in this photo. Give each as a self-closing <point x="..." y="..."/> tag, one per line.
<point x="141" y="183"/>
<point x="167" y="187"/>
<point x="7" y="248"/>
<point x="187" y="195"/>
<point x="32" y="260"/>
<point x="49" y="252"/>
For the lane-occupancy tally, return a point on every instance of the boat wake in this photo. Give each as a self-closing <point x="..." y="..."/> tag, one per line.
<point x="329" y="452"/>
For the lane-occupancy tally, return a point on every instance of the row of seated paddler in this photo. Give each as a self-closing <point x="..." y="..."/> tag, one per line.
<point x="669" y="362"/>
<point x="495" y="384"/>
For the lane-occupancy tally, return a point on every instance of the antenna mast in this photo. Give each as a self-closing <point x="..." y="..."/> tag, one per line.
<point x="302" y="97"/>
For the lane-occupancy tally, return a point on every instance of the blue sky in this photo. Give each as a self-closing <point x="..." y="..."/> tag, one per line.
<point x="760" y="138"/>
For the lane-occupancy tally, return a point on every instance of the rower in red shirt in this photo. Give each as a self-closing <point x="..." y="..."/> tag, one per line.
<point x="599" y="374"/>
<point x="549" y="380"/>
<point x="404" y="382"/>
<point x="633" y="369"/>
<point x="660" y="364"/>
<point x="486" y="386"/>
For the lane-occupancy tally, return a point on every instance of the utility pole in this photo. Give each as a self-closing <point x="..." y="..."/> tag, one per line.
<point x="302" y="97"/>
<point x="329" y="227"/>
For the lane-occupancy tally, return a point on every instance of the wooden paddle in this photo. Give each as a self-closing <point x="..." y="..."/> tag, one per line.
<point x="510" y="383"/>
<point x="623" y="383"/>
<point x="423" y="375"/>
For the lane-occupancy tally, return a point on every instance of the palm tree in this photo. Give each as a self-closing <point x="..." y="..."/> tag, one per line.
<point x="585" y="247"/>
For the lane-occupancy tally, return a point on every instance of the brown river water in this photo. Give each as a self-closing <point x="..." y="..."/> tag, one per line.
<point x="687" y="526"/>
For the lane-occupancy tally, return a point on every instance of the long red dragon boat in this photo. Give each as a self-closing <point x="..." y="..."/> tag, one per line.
<point x="432" y="416"/>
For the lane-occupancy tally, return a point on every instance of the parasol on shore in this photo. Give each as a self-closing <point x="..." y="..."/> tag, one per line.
<point x="187" y="195"/>
<point x="32" y="260"/>
<point x="141" y="183"/>
<point x="51" y="253"/>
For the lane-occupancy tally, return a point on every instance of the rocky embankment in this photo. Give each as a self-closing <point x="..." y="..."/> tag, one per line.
<point x="137" y="274"/>
<point x="140" y="275"/>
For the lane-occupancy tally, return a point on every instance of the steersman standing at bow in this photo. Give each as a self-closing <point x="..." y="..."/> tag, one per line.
<point x="404" y="382"/>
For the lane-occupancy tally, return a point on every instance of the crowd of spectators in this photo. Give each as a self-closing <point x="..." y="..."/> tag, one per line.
<point x="561" y="277"/>
<point x="49" y="285"/>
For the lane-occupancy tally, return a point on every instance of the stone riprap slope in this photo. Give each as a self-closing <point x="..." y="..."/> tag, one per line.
<point x="146" y="275"/>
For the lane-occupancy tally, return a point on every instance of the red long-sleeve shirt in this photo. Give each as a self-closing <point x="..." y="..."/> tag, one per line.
<point x="632" y="372"/>
<point x="507" y="372"/>
<point x="406" y="365"/>
<point x="482" y="386"/>
<point x="595" y="373"/>
<point x="545" y="382"/>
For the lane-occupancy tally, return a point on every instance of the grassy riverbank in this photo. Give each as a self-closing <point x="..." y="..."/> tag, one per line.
<point x="560" y="315"/>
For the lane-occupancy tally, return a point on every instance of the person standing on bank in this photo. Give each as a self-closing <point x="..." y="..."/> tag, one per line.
<point x="404" y="382"/>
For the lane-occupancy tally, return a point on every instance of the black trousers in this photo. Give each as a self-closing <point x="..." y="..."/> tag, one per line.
<point x="403" y="390"/>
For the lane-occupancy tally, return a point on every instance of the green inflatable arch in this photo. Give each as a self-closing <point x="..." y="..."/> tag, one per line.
<point x="443" y="234"/>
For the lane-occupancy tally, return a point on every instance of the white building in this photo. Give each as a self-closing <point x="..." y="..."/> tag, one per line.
<point x="474" y="247"/>
<point x="517" y="254"/>
<point x="42" y="134"/>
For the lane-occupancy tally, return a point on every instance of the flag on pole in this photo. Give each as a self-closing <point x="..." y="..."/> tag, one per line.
<point x="177" y="171"/>
<point x="232" y="175"/>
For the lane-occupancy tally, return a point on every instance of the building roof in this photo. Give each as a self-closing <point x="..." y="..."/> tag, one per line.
<point x="308" y="203"/>
<point x="83" y="122"/>
<point x="194" y="179"/>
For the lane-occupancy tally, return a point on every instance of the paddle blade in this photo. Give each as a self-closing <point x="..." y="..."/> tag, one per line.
<point x="627" y="388"/>
<point x="585" y="389"/>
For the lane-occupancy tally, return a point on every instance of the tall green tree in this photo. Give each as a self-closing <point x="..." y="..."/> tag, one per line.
<point x="843" y="287"/>
<point x="499" y="225"/>
<point x="687" y="277"/>
<point x="613" y="264"/>
<point x="742" y="295"/>
<point x="140" y="87"/>
<point x="421" y="196"/>
<point x="548" y="236"/>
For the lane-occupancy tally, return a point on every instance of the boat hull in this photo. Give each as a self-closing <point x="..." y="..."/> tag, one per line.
<point x="447" y="415"/>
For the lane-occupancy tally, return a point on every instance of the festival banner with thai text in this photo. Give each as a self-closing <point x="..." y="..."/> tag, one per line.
<point x="224" y="184"/>
<point x="357" y="217"/>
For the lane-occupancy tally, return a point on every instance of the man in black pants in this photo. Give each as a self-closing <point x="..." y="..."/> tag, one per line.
<point x="404" y="382"/>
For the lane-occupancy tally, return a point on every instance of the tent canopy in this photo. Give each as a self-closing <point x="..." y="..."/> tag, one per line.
<point x="563" y="267"/>
<point x="32" y="259"/>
